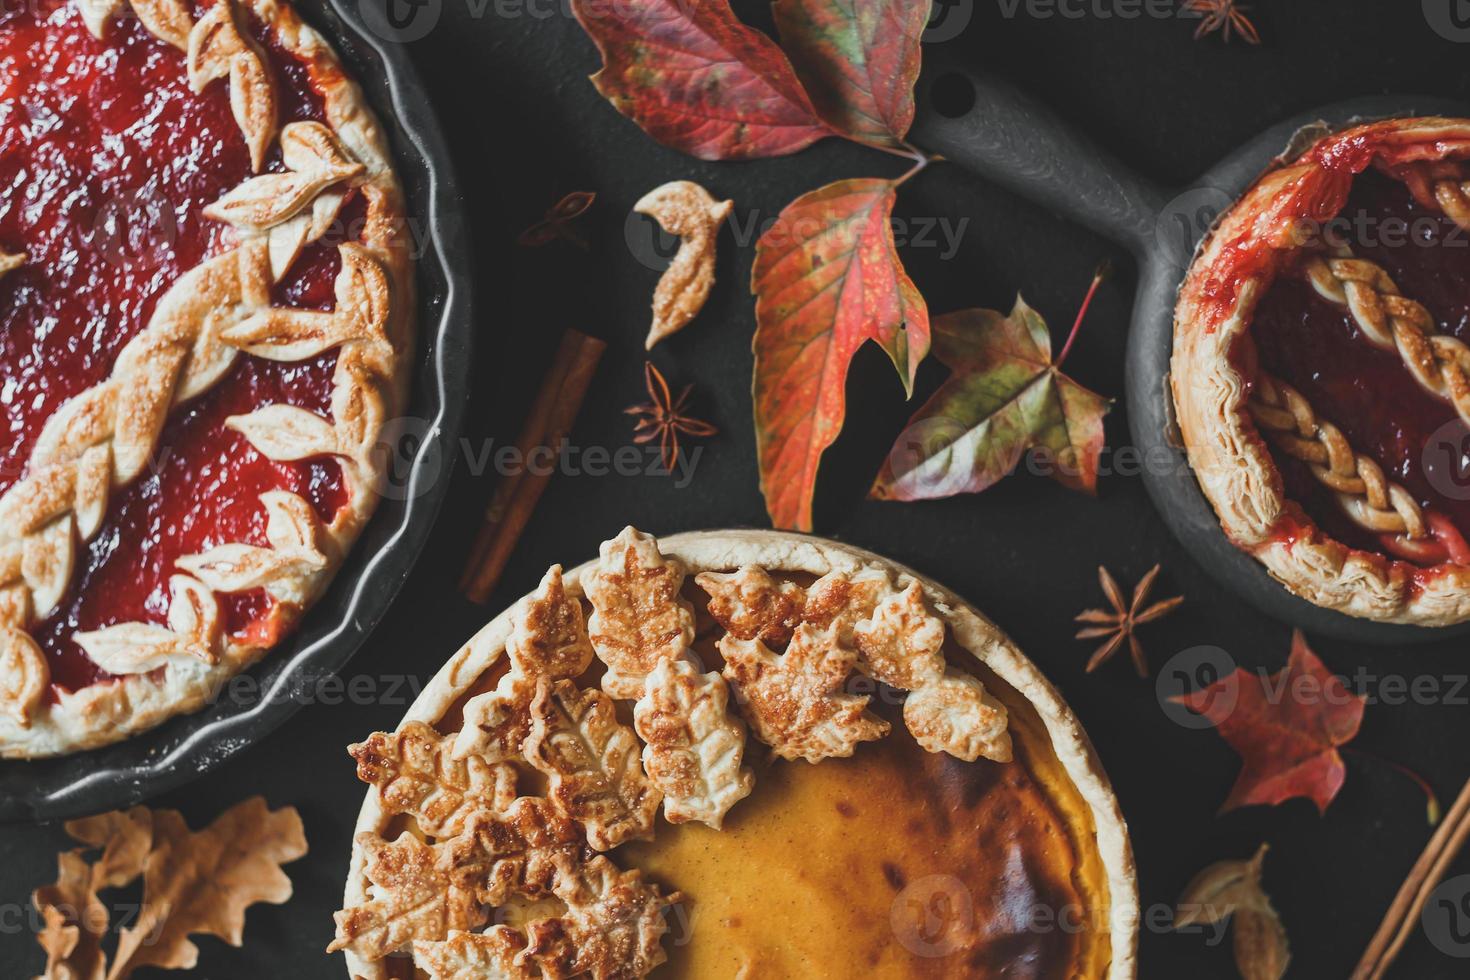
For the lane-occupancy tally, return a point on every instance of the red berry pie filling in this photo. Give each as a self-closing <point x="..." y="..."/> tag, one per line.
<point x="203" y="317"/>
<point x="1322" y="377"/>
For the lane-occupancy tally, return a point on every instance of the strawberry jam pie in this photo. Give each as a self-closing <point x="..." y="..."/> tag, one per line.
<point x="1322" y="375"/>
<point x="204" y="321"/>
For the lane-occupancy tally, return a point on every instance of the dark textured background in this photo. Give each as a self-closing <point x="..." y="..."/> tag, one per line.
<point x="525" y="127"/>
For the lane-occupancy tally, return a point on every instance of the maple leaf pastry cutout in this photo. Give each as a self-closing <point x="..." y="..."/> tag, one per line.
<point x="751" y="605"/>
<point x="639" y="617"/>
<point x="947" y="710"/>
<point x="548" y="638"/>
<point x="1287" y="739"/>
<point x="593" y="763"/>
<point x="416" y="773"/>
<point x="795" y="701"/>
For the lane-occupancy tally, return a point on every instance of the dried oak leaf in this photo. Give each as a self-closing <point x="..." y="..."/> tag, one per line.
<point x="489" y="955"/>
<point x="795" y="702"/>
<point x="696" y="79"/>
<point x="592" y="762"/>
<point x="859" y="61"/>
<point x="1286" y="729"/>
<point x="751" y="605"/>
<point x="684" y="209"/>
<point x="548" y="638"/>
<point x="75" y="921"/>
<point x="827" y="279"/>
<point x="639" y="617"/>
<point x="1004" y="398"/>
<point x="693" y="748"/>
<point x="1233" y="888"/>
<point x="416" y="774"/>
<point x="613" y="927"/>
<point x="202" y="883"/>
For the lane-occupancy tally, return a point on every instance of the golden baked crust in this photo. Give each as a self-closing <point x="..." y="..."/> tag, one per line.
<point x="1261" y="236"/>
<point x="1054" y="754"/>
<point x="100" y="440"/>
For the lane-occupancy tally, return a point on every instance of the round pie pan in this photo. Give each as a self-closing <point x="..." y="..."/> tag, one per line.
<point x="727" y="550"/>
<point x="335" y="627"/>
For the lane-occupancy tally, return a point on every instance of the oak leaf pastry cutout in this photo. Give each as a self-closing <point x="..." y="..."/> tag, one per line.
<point x="490" y="955"/>
<point x="416" y="773"/>
<point x="593" y="763"/>
<point x="549" y="639"/>
<point x="613" y="927"/>
<point x="795" y="701"/>
<point x="639" y="618"/>
<point x="693" y="748"/>
<point x="901" y="644"/>
<point x="685" y="209"/>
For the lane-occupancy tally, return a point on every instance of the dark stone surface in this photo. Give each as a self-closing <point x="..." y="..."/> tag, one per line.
<point x="525" y="127"/>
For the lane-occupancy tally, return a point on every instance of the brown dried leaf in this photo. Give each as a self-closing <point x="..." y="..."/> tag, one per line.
<point x="203" y="882"/>
<point x="1234" y="888"/>
<point x="75" y="921"/>
<point x="685" y="209"/>
<point x="416" y="774"/>
<point x="125" y="837"/>
<point x="639" y="617"/>
<point x="593" y="763"/>
<point x="752" y="605"/>
<point x="795" y="702"/>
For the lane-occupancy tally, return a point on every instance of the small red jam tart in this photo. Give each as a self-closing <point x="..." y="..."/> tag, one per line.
<point x="205" y="304"/>
<point x="1321" y="373"/>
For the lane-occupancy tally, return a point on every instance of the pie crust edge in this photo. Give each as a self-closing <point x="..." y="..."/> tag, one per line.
<point x="1227" y="454"/>
<point x="114" y="710"/>
<point x="782" y="551"/>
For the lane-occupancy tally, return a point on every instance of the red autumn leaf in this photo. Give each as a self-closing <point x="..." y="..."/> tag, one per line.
<point x="1285" y="729"/>
<point x="1005" y="397"/>
<point x="859" y="59"/>
<point x="696" y="79"/>
<point x="827" y="279"/>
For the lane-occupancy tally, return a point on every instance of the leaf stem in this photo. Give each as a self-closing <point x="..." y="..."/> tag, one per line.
<point x="1104" y="268"/>
<point x="1432" y="807"/>
<point x="921" y="160"/>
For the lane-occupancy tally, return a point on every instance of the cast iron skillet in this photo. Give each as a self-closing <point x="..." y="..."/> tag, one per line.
<point x="185" y="748"/>
<point x="997" y="132"/>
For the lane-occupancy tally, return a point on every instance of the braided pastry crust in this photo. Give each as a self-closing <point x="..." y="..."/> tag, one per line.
<point x="101" y="440"/>
<point x="1223" y="415"/>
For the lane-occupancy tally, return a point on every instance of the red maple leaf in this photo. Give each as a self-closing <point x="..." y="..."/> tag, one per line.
<point x="827" y="280"/>
<point x="696" y="79"/>
<point x="1286" y="728"/>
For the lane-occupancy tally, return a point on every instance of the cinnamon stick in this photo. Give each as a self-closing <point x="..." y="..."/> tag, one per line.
<point x="551" y="417"/>
<point x="1403" y="915"/>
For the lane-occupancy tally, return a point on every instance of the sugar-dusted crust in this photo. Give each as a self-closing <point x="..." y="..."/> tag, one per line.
<point x="174" y="669"/>
<point x="1252" y="243"/>
<point x="728" y="551"/>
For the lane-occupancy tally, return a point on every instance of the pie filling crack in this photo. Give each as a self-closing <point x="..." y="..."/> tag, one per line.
<point x="205" y="319"/>
<point x="1321" y="374"/>
<point x="736" y="754"/>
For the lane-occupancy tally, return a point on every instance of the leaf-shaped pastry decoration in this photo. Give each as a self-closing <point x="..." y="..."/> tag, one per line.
<point x="843" y="599"/>
<point x="416" y="896"/>
<point x="795" y="702"/>
<point x="751" y="605"/>
<point x="686" y="210"/>
<point x="901" y="643"/>
<point x="315" y="161"/>
<point x="287" y="570"/>
<point x="167" y="20"/>
<point x="488" y="955"/>
<point x="133" y="648"/>
<point x="1233" y="888"/>
<point x="194" y="614"/>
<point x="97" y="14"/>
<point x="693" y="748"/>
<point x="285" y="432"/>
<point x="218" y="49"/>
<point x="613" y="927"/>
<point x="639" y="617"/>
<point x="523" y="851"/>
<point x="202" y="883"/>
<point x="24" y="675"/>
<point x="47" y="563"/>
<point x="955" y="714"/>
<point x="10" y="261"/>
<point x="415" y="773"/>
<point x="497" y="722"/>
<point x="592" y="762"/>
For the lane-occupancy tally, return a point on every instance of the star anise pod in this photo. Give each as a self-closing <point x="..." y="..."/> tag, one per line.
<point x="557" y="222"/>
<point x="1223" y="16"/>
<point x="663" y="417"/>
<point x="1119" y="623"/>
